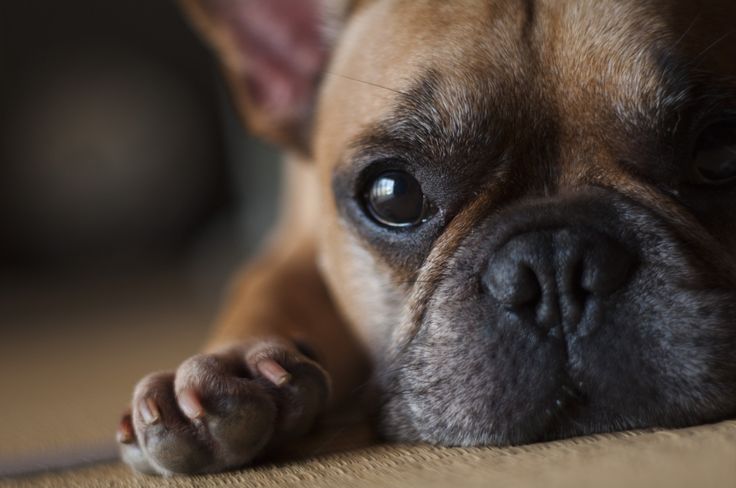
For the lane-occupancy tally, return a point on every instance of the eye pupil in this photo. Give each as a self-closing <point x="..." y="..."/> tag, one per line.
<point x="724" y="171"/>
<point x="715" y="157"/>
<point x="395" y="199"/>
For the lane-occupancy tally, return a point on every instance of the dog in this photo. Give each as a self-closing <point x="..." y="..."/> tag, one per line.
<point x="516" y="215"/>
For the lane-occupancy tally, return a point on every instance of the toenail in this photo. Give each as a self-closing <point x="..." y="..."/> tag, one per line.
<point x="273" y="372"/>
<point x="125" y="434"/>
<point x="149" y="411"/>
<point x="190" y="404"/>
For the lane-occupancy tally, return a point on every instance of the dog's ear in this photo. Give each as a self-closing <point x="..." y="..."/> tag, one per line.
<point x="273" y="53"/>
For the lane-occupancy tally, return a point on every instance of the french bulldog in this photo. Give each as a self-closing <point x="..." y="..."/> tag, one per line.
<point x="519" y="215"/>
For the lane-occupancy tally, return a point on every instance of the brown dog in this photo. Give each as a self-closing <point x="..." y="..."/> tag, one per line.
<point x="522" y="209"/>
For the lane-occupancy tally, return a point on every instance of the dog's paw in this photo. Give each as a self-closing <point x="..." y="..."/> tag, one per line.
<point x="221" y="411"/>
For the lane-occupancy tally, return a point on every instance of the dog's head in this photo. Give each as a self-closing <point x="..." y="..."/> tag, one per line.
<point x="529" y="206"/>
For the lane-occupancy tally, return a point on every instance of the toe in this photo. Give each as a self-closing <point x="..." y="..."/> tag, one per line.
<point x="130" y="451"/>
<point x="169" y="440"/>
<point x="238" y="412"/>
<point x="302" y="387"/>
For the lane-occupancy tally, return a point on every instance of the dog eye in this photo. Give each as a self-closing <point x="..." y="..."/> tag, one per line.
<point x="395" y="199"/>
<point x="715" y="157"/>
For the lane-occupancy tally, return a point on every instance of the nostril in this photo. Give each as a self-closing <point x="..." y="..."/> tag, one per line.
<point x="607" y="267"/>
<point x="527" y="290"/>
<point x="513" y="283"/>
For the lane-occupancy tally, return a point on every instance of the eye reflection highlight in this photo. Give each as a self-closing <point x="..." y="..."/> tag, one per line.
<point x="395" y="199"/>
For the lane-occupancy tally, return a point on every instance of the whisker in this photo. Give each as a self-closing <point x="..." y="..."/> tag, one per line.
<point x="699" y="57"/>
<point x="687" y="31"/>
<point x="369" y="83"/>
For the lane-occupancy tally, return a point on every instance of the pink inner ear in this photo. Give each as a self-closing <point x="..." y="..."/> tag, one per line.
<point x="279" y="49"/>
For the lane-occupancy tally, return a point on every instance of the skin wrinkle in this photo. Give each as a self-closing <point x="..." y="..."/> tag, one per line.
<point x="433" y="270"/>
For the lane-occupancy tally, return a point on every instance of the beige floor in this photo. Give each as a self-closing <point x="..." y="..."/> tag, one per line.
<point x="71" y="356"/>
<point x="699" y="457"/>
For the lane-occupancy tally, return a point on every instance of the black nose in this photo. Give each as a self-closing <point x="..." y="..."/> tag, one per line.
<point x="549" y="277"/>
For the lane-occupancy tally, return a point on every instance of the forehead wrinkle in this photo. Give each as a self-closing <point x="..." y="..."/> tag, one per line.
<point x="664" y="204"/>
<point x="435" y="109"/>
<point x="600" y="60"/>
<point x="613" y="78"/>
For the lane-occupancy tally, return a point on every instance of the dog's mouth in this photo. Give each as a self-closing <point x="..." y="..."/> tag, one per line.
<point x="632" y="334"/>
<point x="463" y="387"/>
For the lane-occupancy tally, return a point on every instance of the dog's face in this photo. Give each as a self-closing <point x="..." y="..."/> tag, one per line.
<point x="529" y="212"/>
<point x="532" y="213"/>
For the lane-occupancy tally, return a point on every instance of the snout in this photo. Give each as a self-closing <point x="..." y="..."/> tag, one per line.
<point x="565" y="317"/>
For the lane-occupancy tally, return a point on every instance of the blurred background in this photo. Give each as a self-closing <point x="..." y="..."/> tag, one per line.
<point x="129" y="194"/>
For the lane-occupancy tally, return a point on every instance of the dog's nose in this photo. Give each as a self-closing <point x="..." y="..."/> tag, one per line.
<point x="549" y="277"/>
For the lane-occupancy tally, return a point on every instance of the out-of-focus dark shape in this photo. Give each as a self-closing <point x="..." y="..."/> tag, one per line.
<point x="112" y="148"/>
<point x="129" y="194"/>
